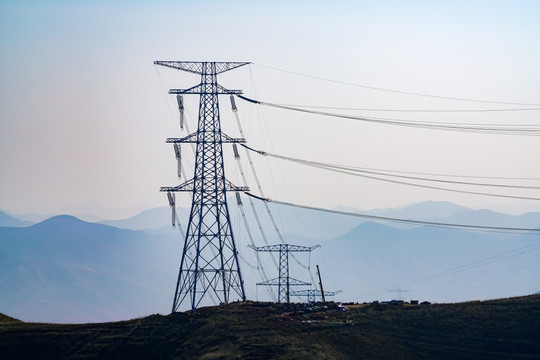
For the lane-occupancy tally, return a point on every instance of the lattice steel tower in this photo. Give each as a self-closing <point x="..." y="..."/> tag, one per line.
<point x="209" y="265"/>
<point x="284" y="281"/>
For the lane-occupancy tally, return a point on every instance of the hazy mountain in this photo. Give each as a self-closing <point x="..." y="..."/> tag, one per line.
<point x="8" y="220"/>
<point x="66" y="270"/>
<point x="427" y="210"/>
<point x="32" y="217"/>
<point x="95" y="211"/>
<point x="92" y="211"/>
<point x="320" y="225"/>
<point x="492" y="218"/>
<point x="149" y="219"/>
<point x="290" y="220"/>
<point x="373" y="259"/>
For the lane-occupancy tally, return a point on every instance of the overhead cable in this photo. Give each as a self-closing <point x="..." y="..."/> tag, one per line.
<point x="526" y="130"/>
<point x="410" y="172"/>
<point x="361" y="173"/>
<point x="406" y="221"/>
<point x="254" y="172"/>
<point x="399" y="91"/>
<point x="413" y="110"/>
<point x="385" y="172"/>
<point x="472" y="265"/>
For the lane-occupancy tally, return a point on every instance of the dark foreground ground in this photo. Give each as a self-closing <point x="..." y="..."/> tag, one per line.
<point x="498" y="329"/>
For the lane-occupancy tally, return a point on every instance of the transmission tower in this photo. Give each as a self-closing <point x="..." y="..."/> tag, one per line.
<point x="313" y="294"/>
<point x="209" y="264"/>
<point x="284" y="281"/>
<point x="398" y="293"/>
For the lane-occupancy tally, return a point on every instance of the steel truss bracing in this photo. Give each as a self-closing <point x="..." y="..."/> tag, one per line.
<point x="312" y="294"/>
<point x="284" y="281"/>
<point x="209" y="265"/>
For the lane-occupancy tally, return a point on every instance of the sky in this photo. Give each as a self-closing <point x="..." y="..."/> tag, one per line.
<point x="84" y="112"/>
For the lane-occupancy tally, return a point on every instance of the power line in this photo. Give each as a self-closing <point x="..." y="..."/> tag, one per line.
<point x="359" y="173"/>
<point x="332" y="166"/>
<point x="353" y="168"/>
<point x="398" y="91"/>
<point x="383" y="172"/>
<point x="412" y="110"/>
<point x="254" y="172"/>
<point x="472" y="265"/>
<point x="526" y="130"/>
<point x="406" y="221"/>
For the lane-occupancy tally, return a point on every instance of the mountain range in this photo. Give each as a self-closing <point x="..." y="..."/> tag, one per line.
<point x="67" y="270"/>
<point x="8" y="220"/>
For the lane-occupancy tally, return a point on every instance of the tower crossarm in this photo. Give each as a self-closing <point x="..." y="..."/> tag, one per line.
<point x="296" y="282"/>
<point x="229" y="186"/>
<point x="193" y="138"/>
<point x="189" y="186"/>
<point x="196" y="67"/>
<point x="292" y="282"/>
<point x="312" y="292"/>
<point x="284" y="247"/>
<point x="284" y="281"/>
<point x="201" y="89"/>
<point x="271" y="282"/>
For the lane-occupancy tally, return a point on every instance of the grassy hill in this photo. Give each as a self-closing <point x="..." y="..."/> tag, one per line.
<point x="5" y="319"/>
<point x="506" y="328"/>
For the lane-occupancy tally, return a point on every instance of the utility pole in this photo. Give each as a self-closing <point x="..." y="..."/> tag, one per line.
<point x="284" y="281"/>
<point x="209" y="264"/>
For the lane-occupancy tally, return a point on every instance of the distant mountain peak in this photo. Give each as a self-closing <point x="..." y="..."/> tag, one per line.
<point x="370" y="227"/>
<point x="63" y="219"/>
<point x="11" y="221"/>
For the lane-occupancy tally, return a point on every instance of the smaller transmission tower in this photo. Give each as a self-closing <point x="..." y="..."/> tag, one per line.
<point x="398" y="293"/>
<point x="313" y="294"/>
<point x="284" y="281"/>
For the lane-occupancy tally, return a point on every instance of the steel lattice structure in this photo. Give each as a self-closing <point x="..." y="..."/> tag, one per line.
<point x="284" y="281"/>
<point x="312" y="294"/>
<point x="209" y="264"/>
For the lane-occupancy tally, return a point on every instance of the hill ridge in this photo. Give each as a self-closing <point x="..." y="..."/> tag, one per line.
<point x="249" y="330"/>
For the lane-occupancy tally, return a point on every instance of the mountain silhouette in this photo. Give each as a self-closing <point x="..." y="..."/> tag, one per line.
<point x="68" y="270"/>
<point x="64" y="269"/>
<point x="8" y="220"/>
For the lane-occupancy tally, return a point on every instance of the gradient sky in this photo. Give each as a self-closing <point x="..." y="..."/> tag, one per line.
<point x="84" y="114"/>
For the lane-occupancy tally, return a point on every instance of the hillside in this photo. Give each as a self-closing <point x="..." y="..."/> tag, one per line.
<point x="5" y="319"/>
<point x="506" y="328"/>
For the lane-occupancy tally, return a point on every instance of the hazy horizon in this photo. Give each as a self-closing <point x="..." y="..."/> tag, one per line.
<point x="95" y="211"/>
